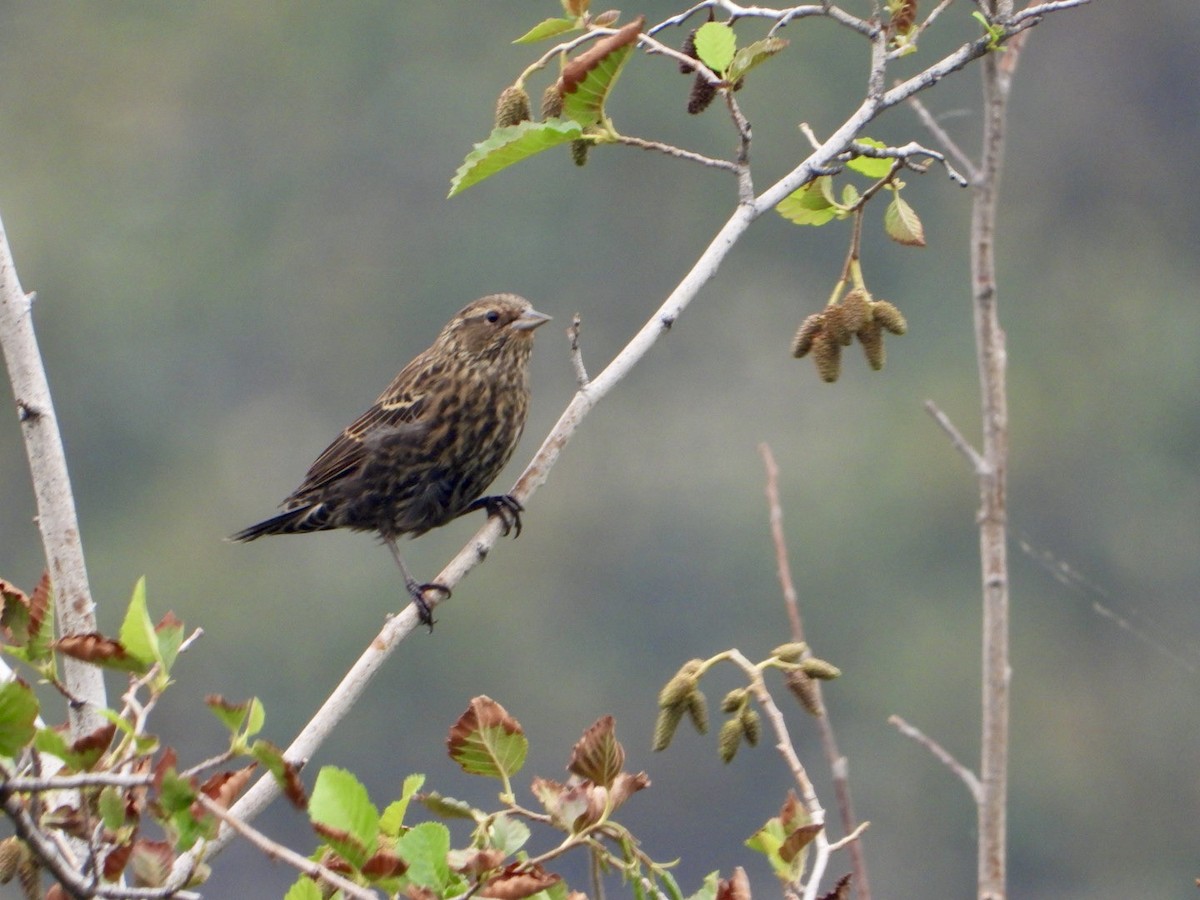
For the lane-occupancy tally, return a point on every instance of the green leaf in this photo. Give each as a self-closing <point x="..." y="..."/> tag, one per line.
<point x="48" y="740"/>
<point x="486" y="740"/>
<point x="18" y="712"/>
<point x="547" y="28"/>
<point x="902" y="224"/>
<point x="392" y="819"/>
<point x="849" y="195"/>
<point x="509" y="145"/>
<point x="708" y="890"/>
<point x="715" y="45"/>
<point x="232" y="715"/>
<point x="508" y="834"/>
<point x="168" y="638"/>
<point x="344" y="815"/>
<point x="767" y="841"/>
<point x="424" y="848"/>
<point x="753" y="54"/>
<point x="304" y="888"/>
<point x="137" y="631"/>
<point x="448" y="807"/>
<point x="588" y="79"/>
<point x="255" y="719"/>
<point x="112" y="808"/>
<point x="812" y="204"/>
<point x="869" y="165"/>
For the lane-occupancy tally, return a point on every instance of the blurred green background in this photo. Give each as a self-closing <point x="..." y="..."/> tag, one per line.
<point x="235" y="218"/>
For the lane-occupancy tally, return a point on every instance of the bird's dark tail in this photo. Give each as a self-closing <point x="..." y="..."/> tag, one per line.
<point x="292" y="521"/>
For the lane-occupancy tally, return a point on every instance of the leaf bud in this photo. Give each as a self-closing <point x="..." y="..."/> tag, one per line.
<point x="856" y="310"/>
<point x="701" y="96"/>
<point x="734" y="700"/>
<point x="675" y="692"/>
<point x="688" y="49"/>
<point x="819" y="668"/>
<point x="887" y="315"/>
<point x="805" y="690"/>
<point x="751" y="724"/>
<point x="552" y="101"/>
<point x="729" y="739"/>
<point x="805" y="334"/>
<point x="697" y="708"/>
<point x="664" y="727"/>
<point x="827" y="354"/>
<point x="579" y="151"/>
<point x="791" y="652"/>
<point x="871" y="338"/>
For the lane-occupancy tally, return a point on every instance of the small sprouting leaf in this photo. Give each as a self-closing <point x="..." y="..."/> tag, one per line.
<point x="447" y="807"/>
<point x="715" y="45"/>
<point x="137" y="632"/>
<point x="598" y="756"/>
<point x="111" y="806"/>
<point x="588" y="78"/>
<point x="576" y="7"/>
<point x="508" y="834"/>
<point x="287" y="774"/>
<point x="753" y="54"/>
<point x="505" y="146"/>
<point x="902" y="224"/>
<point x="424" y="848"/>
<point x="870" y="165"/>
<point x="547" y="28"/>
<point x="812" y="204"/>
<point x="342" y="813"/>
<point x="169" y="634"/>
<point x="486" y="740"/>
<point x="18" y="712"/>
<point x="392" y="819"/>
<point x="232" y="715"/>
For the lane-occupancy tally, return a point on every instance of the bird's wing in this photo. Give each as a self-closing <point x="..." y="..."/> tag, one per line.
<point x="395" y="417"/>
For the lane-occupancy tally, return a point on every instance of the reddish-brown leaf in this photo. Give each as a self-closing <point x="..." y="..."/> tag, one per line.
<point x="39" y="602"/>
<point x="516" y="882"/>
<point x="578" y="68"/>
<point x="384" y="864"/>
<point x="14" y="612"/>
<point x="626" y="786"/>
<point x="598" y="756"/>
<point x="168" y="621"/>
<point x="736" y="887"/>
<point x="797" y="841"/>
<point x="96" y="742"/>
<point x="115" y="860"/>
<point x="166" y="763"/>
<point x="223" y="787"/>
<point x="475" y="862"/>
<point x="92" y="647"/>
<point x="841" y="890"/>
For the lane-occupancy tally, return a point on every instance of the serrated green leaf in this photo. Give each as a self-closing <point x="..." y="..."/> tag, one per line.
<point x="169" y="638"/>
<point x="588" y="79"/>
<point x="505" y="146"/>
<point x="812" y="204"/>
<point x="902" y="224"/>
<point x="424" y="848"/>
<point x="137" y="631"/>
<point x="493" y="751"/>
<point x="256" y="717"/>
<point x="547" y="28"/>
<point x="715" y="45"/>
<point x="752" y="54"/>
<point x="392" y="819"/>
<point x="869" y="165"/>
<point x="18" y="712"/>
<point x="303" y="888"/>
<point x="339" y="803"/>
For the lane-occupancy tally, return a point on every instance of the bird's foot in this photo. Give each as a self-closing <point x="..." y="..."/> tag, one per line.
<point x="424" y="610"/>
<point x="504" y="506"/>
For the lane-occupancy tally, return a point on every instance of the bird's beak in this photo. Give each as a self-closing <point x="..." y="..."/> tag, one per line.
<point x="529" y="320"/>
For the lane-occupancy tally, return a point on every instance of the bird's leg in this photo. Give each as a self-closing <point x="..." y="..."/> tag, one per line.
<point x="507" y="507"/>
<point x="416" y="589"/>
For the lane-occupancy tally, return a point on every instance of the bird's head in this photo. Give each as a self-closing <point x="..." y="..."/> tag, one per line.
<point x="491" y="324"/>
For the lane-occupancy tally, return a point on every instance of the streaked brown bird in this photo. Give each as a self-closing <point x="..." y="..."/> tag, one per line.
<point x="428" y="448"/>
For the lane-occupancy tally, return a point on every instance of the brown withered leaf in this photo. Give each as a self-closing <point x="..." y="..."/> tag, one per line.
<point x="222" y="787"/>
<point x="797" y="841"/>
<point x="91" y="746"/>
<point x="736" y="887"/>
<point x="515" y="882"/>
<point x="626" y="785"/>
<point x="841" y="890"/>
<point x="792" y="814"/>
<point x="598" y="755"/>
<point x="903" y="17"/>
<point x="578" y="68"/>
<point x="115" y="861"/>
<point x="475" y="862"/>
<point x="165" y="763"/>
<point x="417" y="892"/>
<point x="14" y="613"/>
<point x="92" y="647"/>
<point x="39" y="602"/>
<point x="384" y="864"/>
<point x="168" y="621"/>
<point x="152" y="861"/>
<point x="486" y="739"/>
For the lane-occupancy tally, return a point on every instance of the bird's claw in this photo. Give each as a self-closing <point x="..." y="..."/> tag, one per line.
<point x="507" y="508"/>
<point x="424" y="610"/>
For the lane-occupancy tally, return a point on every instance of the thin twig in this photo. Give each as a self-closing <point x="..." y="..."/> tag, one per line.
<point x="838" y="764"/>
<point x="678" y="153"/>
<point x="942" y="137"/>
<point x="278" y="851"/>
<point x="944" y="756"/>
<point x="581" y="375"/>
<point x="978" y="464"/>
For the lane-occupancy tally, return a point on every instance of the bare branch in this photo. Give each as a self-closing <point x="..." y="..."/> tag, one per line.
<point x="581" y="375"/>
<point x="942" y="137"/>
<point x="57" y="522"/>
<point x="965" y="775"/>
<point x="978" y="464"/>
<point x="278" y="851"/>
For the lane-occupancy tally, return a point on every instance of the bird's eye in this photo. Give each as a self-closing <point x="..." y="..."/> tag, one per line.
<point x="492" y="316"/>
